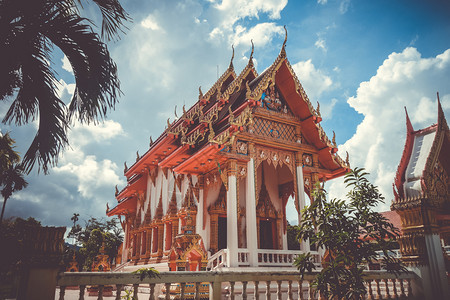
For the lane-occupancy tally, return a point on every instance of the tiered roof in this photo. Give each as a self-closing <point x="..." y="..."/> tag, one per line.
<point x="194" y="143"/>
<point x="425" y="156"/>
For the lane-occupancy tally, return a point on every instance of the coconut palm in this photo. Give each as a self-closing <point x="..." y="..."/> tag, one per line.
<point x="29" y="30"/>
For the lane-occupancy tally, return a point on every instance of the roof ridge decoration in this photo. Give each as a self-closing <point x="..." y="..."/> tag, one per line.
<point x="269" y="76"/>
<point x="218" y="84"/>
<point x="283" y="48"/>
<point x="407" y="148"/>
<point x="232" y="57"/>
<point x="235" y="86"/>
<point x="434" y="177"/>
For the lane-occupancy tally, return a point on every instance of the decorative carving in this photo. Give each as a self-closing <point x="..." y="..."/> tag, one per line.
<point x="241" y="148"/>
<point x="159" y="210"/>
<point x="275" y="130"/>
<point x="307" y="160"/>
<point x="274" y="157"/>
<point x="179" y="180"/>
<point x="242" y="172"/>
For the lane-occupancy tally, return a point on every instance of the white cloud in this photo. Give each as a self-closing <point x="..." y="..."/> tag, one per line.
<point x="150" y="23"/>
<point x="343" y="7"/>
<point x="66" y="64"/>
<point x="314" y="81"/>
<point x="322" y="1"/>
<point x="261" y="34"/>
<point x="404" y="79"/>
<point x="65" y="90"/>
<point x="233" y="10"/>
<point x="321" y="44"/>
<point x="91" y="175"/>
<point x="82" y="134"/>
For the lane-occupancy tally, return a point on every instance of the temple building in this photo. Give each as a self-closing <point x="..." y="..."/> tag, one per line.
<point x="212" y="190"/>
<point x="422" y="200"/>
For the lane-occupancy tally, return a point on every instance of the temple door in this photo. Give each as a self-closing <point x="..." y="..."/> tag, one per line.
<point x="222" y="233"/>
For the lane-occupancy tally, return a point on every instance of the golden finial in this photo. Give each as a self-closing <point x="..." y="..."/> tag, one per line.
<point x="232" y="57"/>
<point x="107" y="207"/>
<point x="347" y="159"/>
<point x="151" y="141"/>
<point x="334" y="139"/>
<point x="200" y="95"/>
<point x="125" y="167"/>
<point x="137" y="155"/>
<point x="283" y="48"/>
<point x="168" y="123"/>
<point x="253" y="50"/>
<point x="184" y="110"/>
<point x="176" y="112"/>
<point x="117" y="190"/>
<point x="318" y="109"/>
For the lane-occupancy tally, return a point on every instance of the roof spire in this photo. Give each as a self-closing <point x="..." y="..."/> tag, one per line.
<point x="283" y="48"/>
<point x="441" y="117"/>
<point x="409" y="126"/>
<point x="232" y="57"/>
<point x="200" y="94"/>
<point x="253" y="50"/>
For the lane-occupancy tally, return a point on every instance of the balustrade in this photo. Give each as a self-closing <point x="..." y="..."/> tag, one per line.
<point x="229" y="284"/>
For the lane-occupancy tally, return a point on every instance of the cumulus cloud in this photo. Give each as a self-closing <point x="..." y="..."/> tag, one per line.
<point x="65" y="90"/>
<point x="314" y="81"/>
<point x="322" y="1"/>
<point x="404" y="79"/>
<point x="91" y="174"/>
<point x="66" y="64"/>
<point x="233" y="10"/>
<point x="150" y="23"/>
<point x="261" y="34"/>
<point x="81" y="134"/>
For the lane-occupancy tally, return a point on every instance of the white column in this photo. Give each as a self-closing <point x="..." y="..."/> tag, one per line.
<point x="199" y="223"/>
<point x="250" y="202"/>
<point x="232" y="228"/>
<point x="304" y="245"/>
<point x="436" y="264"/>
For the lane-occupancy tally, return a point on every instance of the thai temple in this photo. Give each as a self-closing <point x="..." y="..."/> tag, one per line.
<point x="422" y="200"/>
<point x="212" y="190"/>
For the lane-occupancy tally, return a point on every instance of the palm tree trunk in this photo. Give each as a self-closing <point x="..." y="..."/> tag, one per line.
<point x="3" y="211"/>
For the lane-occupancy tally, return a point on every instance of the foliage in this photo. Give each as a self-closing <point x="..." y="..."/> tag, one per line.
<point x="128" y="295"/>
<point x="352" y="233"/>
<point x="92" y="236"/>
<point x="146" y="272"/>
<point x="11" y="172"/>
<point x="12" y="233"/>
<point x="293" y="243"/>
<point x="29" y="30"/>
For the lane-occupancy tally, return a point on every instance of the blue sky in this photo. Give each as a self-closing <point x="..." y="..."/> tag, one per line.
<point x="362" y="60"/>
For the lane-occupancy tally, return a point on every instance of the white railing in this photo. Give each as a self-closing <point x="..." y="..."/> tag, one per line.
<point x="266" y="258"/>
<point x="218" y="260"/>
<point x="282" y="258"/>
<point x="229" y="284"/>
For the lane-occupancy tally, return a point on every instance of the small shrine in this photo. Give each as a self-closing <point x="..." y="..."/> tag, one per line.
<point x="73" y="265"/>
<point x="101" y="264"/>
<point x="215" y="185"/>
<point x="422" y="200"/>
